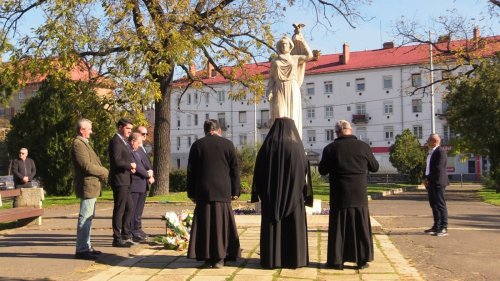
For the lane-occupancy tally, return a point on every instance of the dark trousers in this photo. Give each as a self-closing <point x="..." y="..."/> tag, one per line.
<point x="438" y="206"/>
<point x="123" y="212"/>
<point x="139" y="200"/>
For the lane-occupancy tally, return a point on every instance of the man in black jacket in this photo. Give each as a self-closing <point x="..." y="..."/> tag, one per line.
<point x="24" y="170"/>
<point x="213" y="181"/>
<point x="435" y="181"/>
<point x="121" y="164"/>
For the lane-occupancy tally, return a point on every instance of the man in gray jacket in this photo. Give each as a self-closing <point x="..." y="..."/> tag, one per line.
<point x="89" y="173"/>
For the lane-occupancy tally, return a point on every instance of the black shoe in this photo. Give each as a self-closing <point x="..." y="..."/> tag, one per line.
<point x="139" y="239"/>
<point x="94" y="251"/>
<point x="143" y="234"/>
<point x="335" y="266"/>
<point x="219" y="264"/>
<point x="363" y="265"/>
<point x="441" y="232"/>
<point x="431" y="230"/>
<point x="121" y="244"/>
<point x="85" y="256"/>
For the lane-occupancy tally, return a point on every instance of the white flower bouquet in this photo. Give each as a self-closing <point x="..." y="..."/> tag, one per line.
<point x="178" y="227"/>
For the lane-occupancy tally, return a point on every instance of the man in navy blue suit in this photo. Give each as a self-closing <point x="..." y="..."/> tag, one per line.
<point x="435" y="181"/>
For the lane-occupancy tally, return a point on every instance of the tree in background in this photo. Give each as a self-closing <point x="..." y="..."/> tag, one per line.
<point x="139" y="44"/>
<point x="47" y="126"/>
<point x="408" y="156"/>
<point x="474" y="114"/>
<point x="246" y="160"/>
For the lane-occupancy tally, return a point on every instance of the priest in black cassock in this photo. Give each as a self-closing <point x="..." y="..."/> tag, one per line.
<point x="280" y="183"/>
<point x="347" y="161"/>
<point x="213" y="180"/>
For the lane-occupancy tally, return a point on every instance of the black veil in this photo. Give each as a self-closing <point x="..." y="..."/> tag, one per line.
<point x="280" y="171"/>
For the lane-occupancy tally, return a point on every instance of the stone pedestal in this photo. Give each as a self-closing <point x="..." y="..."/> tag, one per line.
<point x="31" y="197"/>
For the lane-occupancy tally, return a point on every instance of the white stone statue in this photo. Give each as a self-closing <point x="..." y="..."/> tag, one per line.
<point x="286" y="77"/>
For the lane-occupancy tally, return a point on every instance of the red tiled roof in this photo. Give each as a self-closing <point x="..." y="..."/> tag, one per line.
<point x="380" y="58"/>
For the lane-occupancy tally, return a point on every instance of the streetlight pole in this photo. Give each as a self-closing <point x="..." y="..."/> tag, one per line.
<point x="433" y="115"/>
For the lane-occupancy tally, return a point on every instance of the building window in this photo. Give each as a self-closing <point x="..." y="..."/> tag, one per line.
<point x="178" y="120"/>
<point x="310" y="89"/>
<point x="178" y="163"/>
<point x="243" y="117"/>
<point x="361" y="134"/>
<point x="189" y="141"/>
<point x="311" y="135"/>
<point x="188" y="98"/>
<point x="207" y="116"/>
<point x="416" y="80"/>
<point x="417" y="131"/>
<point x="243" y="139"/>
<point x="221" y="117"/>
<point x="196" y="119"/>
<point x="329" y="111"/>
<point x="361" y="108"/>
<point x="328" y="87"/>
<point x="188" y="120"/>
<point x="388" y="107"/>
<point x="387" y="82"/>
<point x="207" y="98"/>
<point x="388" y="132"/>
<point x="21" y="95"/>
<point x="330" y="134"/>
<point x="178" y="143"/>
<point x="221" y="96"/>
<point x="416" y="105"/>
<point x="311" y="113"/>
<point x="360" y="84"/>
<point x="196" y="98"/>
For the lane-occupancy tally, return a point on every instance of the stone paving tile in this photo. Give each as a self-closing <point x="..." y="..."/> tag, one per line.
<point x="385" y="277"/>
<point x="128" y="277"/>
<point x="256" y="271"/>
<point x="338" y="277"/>
<point x="379" y="267"/>
<point x="303" y="272"/>
<point x="141" y="271"/>
<point x="157" y="265"/>
<point x="253" y="278"/>
<point x="170" y="278"/>
<point x="208" y="278"/>
<point x="225" y="271"/>
<point x="159" y="259"/>
<point x="177" y="271"/>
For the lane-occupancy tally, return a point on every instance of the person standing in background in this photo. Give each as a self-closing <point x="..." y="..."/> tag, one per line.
<point x="24" y="170"/>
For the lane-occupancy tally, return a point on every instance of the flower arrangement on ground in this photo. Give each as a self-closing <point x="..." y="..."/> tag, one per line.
<point x="178" y="228"/>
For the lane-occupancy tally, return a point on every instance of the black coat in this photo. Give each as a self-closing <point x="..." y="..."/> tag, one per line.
<point x="21" y="169"/>
<point x="437" y="168"/>
<point x="120" y="157"/>
<point x="139" y="180"/>
<point x="347" y="161"/>
<point x="213" y="173"/>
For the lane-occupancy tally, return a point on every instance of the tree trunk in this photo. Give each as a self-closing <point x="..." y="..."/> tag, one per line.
<point x="161" y="164"/>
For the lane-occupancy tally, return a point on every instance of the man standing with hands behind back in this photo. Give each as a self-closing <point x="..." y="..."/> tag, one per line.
<point x="435" y="181"/>
<point x="121" y="165"/>
<point x="89" y="173"/>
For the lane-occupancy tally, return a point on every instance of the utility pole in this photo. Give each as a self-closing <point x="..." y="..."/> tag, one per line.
<point x="433" y="115"/>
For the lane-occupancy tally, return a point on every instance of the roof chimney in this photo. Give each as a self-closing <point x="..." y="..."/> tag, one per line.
<point x="192" y="69"/>
<point x="388" y="45"/>
<point x="476" y="37"/>
<point x="211" y="72"/>
<point x="345" y="54"/>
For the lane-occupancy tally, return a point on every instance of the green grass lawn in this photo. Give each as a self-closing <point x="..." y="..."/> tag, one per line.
<point x="490" y="196"/>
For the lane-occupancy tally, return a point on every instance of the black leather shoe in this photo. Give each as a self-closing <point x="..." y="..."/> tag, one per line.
<point x="138" y="239"/>
<point x="94" y="251"/>
<point x="431" y="231"/>
<point x="363" y="265"/>
<point x="121" y="244"/>
<point x="85" y="256"/>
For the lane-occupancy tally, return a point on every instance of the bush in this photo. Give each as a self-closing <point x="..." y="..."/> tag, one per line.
<point x="178" y="180"/>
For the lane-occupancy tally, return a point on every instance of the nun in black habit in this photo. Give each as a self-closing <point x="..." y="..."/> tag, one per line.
<point x="280" y="183"/>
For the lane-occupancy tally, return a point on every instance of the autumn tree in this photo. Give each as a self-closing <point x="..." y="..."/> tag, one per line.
<point x="141" y="44"/>
<point x="474" y="114"/>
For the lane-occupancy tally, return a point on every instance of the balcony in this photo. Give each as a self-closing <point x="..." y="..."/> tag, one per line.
<point x="360" y="118"/>
<point x="263" y="124"/>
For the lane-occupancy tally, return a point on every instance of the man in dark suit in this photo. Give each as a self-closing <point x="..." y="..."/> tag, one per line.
<point x="89" y="173"/>
<point x="24" y="170"/>
<point x="147" y="164"/>
<point x="140" y="179"/>
<point x="121" y="164"/>
<point x="213" y="180"/>
<point x="435" y="181"/>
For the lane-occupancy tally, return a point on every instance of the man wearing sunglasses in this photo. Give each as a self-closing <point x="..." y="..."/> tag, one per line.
<point x="24" y="170"/>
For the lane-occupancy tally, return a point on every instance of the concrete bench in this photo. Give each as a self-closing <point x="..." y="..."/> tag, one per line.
<point x="30" y="205"/>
